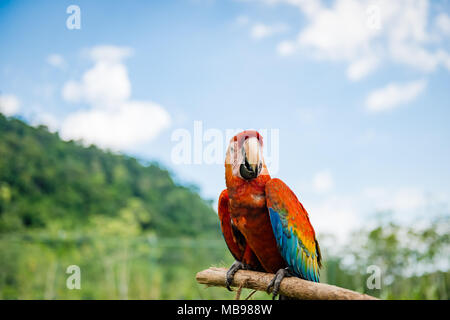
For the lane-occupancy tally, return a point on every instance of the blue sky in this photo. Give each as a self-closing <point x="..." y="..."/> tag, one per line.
<point x="358" y="91"/>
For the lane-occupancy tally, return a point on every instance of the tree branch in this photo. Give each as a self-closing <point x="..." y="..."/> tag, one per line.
<point x="292" y="287"/>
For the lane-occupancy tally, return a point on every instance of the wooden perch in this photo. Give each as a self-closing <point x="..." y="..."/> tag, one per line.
<point x="292" y="287"/>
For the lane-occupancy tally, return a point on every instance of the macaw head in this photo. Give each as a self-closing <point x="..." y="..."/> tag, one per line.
<point x="244" y="159"/>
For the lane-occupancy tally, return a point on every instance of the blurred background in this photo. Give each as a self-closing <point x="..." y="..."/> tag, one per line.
<point x="94" y="95"/>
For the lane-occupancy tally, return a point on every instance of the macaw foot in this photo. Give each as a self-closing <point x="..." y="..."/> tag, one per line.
<point x="237" y="265"/>
<point x="276" y="281"/>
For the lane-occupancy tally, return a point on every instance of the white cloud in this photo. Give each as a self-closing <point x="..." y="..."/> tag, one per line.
<point x="113" y="120"/>
<point x="131" y="123"/>
<point x="418" y="57"/>
<point x="352" y="211"/>
<point x="355" y="32"/>
<point x="56" y="60"/>
<point x="106" y="84"/>
<point x="260" y="30"/>
<point x="393" y="95"/>
<point x="358" y="69"/>
<point x="335" y="215"/>
<point x="44" y="118"/>
<point x="339" y="32"/>
<point x="338" y="213"/>
<point x="323" y="182"/>
<point x="108" y="53"/>
<point x="443" y="23"/>
<point x="286" y="48"/>
<point x="401" y="200"/>
<point x="9" y="104"/>
<point x="408" y="199"/>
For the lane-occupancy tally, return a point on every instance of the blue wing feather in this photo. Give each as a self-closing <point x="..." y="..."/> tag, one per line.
<point x="299" y="260"/>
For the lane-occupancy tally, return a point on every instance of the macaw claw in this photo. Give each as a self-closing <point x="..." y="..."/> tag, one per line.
<point x="276" y="281"/>
<point x="237" y="265"/>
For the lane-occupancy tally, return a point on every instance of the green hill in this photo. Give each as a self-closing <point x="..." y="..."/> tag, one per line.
<point x="48" y="183"/>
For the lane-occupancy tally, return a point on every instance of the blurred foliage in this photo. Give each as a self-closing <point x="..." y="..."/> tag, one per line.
<point x="136" y="234"/>
<point x="413" y="260"/>
<point x="34" y="267"/>
<point x="46" y="183"/>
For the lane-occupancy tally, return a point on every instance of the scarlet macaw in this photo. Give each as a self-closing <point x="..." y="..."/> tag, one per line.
<point x="264" y="224"/>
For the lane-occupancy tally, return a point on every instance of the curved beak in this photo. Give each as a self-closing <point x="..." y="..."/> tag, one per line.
<point x="252" y="165"/>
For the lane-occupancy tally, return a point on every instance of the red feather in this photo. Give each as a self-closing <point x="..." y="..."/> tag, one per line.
<point x="233" y="237"/>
